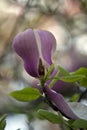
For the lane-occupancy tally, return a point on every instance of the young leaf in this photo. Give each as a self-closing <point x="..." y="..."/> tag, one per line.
<point x="83" y="82"/>
<point x="80" y="123"/>
<point x="63" y="71"/>
<point x="26" y="94"/>
<point x="81" y="71"/>
<point x="72" y="78"/>
<point x="50" y="70"/>
<point x="55" y="79"/>
<point x="50" y="116"/>
<point x="74" y="98"/>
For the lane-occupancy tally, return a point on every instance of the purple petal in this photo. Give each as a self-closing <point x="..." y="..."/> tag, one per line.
<point x="65" y="88"/>
<point x="48" y="45"/>
<point x="33" y="46"/>
<point x="26" y="47"/>
<point x="60" y="103"/>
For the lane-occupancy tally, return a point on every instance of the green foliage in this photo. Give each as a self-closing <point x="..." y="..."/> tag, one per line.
<point x="83" y="82"/>
<point x="57" y="76"/>
<point x="74" y="98"/>
<point x="2" y="122"/>
<point x="72" y="78"/>
<point x="54" y="118"/>
<point x="84" y="5"/>
<point x="79" y="76"/>
<point x="26" y="94"/>
<point x="82" y="71"/>
<point x="54" y="80"/>
<point x="58" y="119"/>
<point x="49" y="72"/>
<point x="63" y="71"/>
<point x="80" y="123"/>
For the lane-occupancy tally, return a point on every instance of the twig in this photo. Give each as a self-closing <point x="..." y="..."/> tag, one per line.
<point x="82" y="95"/>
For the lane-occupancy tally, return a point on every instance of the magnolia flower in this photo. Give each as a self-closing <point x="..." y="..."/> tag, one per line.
<point x="35" y="47"/>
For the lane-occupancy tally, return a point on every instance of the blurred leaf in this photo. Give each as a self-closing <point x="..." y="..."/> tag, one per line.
<point x="26" y="94"/>
<point x="81" y="71"/>
<point x="83" y="82"/>
<point x="50" y="70"/>
<point x="80" y="123"/>
<point x="63" y="71"/>
<point x="50" y="116"/>
<point x="79" y="109"/>
<point x="2" y="122"/>
<point x="74" y="98"/>
<point x="71" y="78"/>
<point x="84" y="4"/>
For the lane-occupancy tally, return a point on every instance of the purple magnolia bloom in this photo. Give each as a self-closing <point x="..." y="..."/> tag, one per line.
<point x="35" y="47"/>
<point x="60" y="103"/>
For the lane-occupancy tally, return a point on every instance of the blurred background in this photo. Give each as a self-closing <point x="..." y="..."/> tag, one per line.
<point x="67" y="20"/>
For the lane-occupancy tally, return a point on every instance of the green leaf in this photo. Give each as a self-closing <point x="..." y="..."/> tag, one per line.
<point x="74" y="98"/>
<point x="83" y="82"/>
<point x="54" y="80"/>
<point x="63" y="71"/>
<point x="26" y="94"/>
<point x="72" y="78"/>
<point x="50" y="116"/>
<point x="81" y="71"/>
<point x="80" y="123"/>
<point x="50" y="70"/>
<point x="3" y="122"/>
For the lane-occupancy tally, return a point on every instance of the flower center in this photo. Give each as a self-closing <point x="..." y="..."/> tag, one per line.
<point x="41" y="68"/>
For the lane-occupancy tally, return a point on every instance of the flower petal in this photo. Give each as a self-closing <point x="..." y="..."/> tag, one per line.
<point x="26" y="47"/>
<point x="34" y="46"/>
<point x="48" y="45"/>
<point x="65" y="88"/>
<point x="60" y="103"/>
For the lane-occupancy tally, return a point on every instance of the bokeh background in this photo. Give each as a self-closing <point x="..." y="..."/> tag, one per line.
<point x="67" y="20"/>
